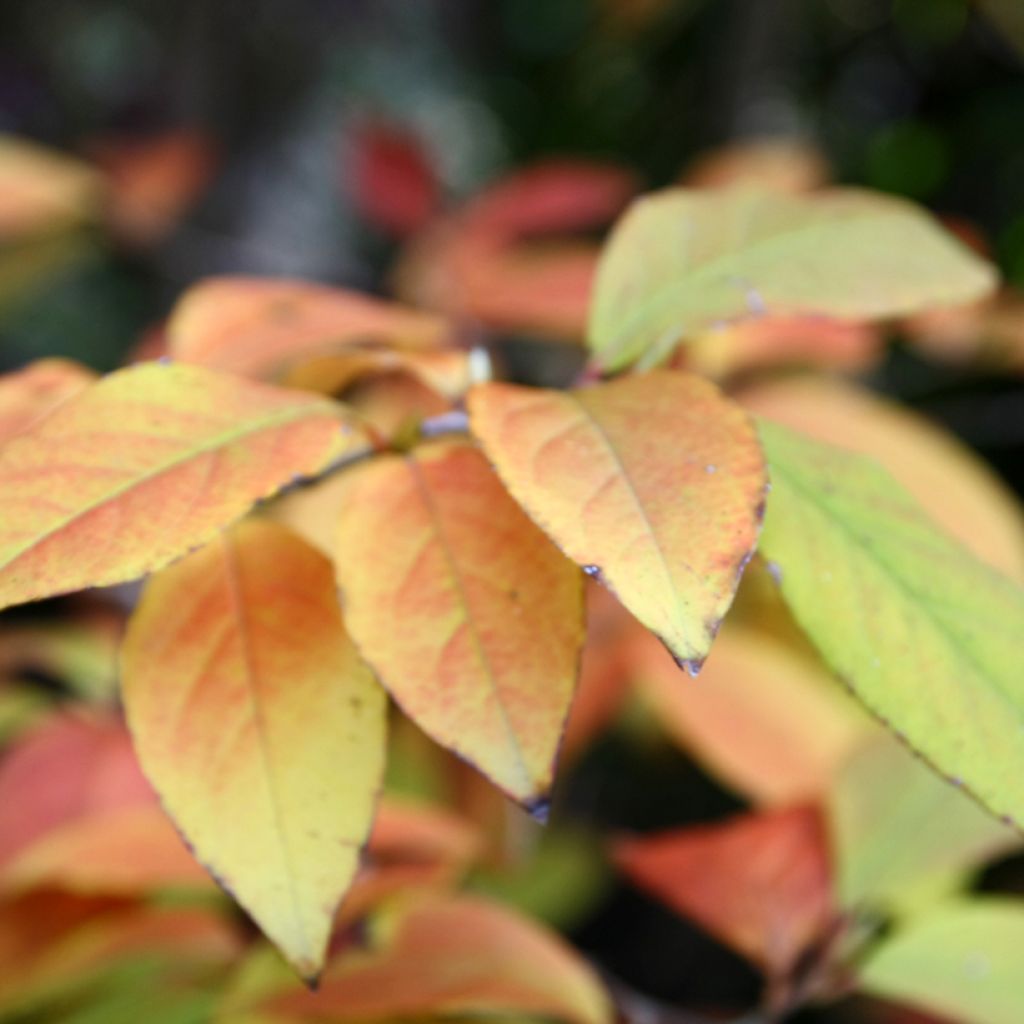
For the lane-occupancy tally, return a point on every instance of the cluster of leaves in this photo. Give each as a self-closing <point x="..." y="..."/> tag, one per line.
<point x="336" y="501"/>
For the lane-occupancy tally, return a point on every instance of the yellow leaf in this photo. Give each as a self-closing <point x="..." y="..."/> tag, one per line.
<point x="654" y="484"/>
<point x="145" y="465"/>
<point x="42" y="189"/>
<point x="470" y="616"/>
<point x="259" y="726"/>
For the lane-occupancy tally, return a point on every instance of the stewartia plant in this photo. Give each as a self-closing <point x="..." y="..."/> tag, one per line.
<point x="430" y="534"/>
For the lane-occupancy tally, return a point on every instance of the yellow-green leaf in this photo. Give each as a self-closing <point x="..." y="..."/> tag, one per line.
<point x="959" y="491"/>
<point x="684" y="260"/>
<point x="470" y="616"/>
<point x="962" y="961"/>
<point x="653" y="483"/>
<point x="259" y="726"/>
<point x="925" y="634"/>
<point x="896" y="826"/>
<point x="143" y="466"/>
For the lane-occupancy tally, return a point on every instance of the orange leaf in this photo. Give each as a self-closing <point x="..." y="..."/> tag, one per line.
<point x="50" y="940"/>
<point x="770" y="722"/>
<point x="412" y="845"/>
<point x="29" y="394"/>
<point x="667" y="526"/>
<point x="447" y="371"/>
<point x="759" y="883"/>
<point x="774" y="341"/>
<point x="260" y="728"/>
<point x="459" y="956"/>
<point x="153" y="181"/>
<point x="66" y="769"/>
<point x="144" y="465"/>
<point x="126" y="850"/>
<point x="257" y="327"/>
<point x="76" y="813"/>
<point x="955" y="487"/>
<point x="470" y="616"/>
<point x="484" y="264"/>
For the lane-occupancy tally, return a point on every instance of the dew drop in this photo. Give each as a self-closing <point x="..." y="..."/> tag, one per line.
<point x="594" y="571"/>
<point x="709" y="468"/>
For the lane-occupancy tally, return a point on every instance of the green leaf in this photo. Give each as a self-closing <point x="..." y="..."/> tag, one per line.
<point x="927" y="636"/>
<point x="963" y="960"/>
<point x="683" y="261"/>
<point x="899" y="831"/>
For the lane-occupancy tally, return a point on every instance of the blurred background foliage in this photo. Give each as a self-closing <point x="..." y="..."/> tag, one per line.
<point x="312" y="138"/>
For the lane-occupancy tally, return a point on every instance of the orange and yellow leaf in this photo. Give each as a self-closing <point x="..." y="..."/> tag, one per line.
<point x="145" y="465"/>
<point x="653" y="483"/>
<point x="470" y="616"/>
<point x="259" y="726"/>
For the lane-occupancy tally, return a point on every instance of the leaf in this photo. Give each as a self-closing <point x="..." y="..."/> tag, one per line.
<point x="29" y="394"/>
<point x="144" y="465"/>
<point x="896" y="826"/>
<point x="42" y="189"/>
<point x="783" y="165"/>
<point x="153" y="181"/>
<point x="459" y="956"/>
<point x="489" y="264"/>
<point x="54" y="946"/>
<point x="927" y="636"/>
<point x="957" y="490"/>
<point x="759" y="883"/>
<point x="681" y="261"/>
<point x="257" y="327"/>
<point x="121" y="851"/>
<point x="413" y="846"/>
<point x="469" y="615"/>
<point x="962" y="961"/>
<point x="259" y="726"/>
<point x="771" y="342"/>
<point x="764" y="719"/>
<point x="67" y="769"/>
<point x="393" y="180"/>
<point x="668" y="527"/>
<point x="447" y="371"/>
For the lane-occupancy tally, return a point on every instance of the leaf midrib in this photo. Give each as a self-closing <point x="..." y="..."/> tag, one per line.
<point x="221" y="441"/>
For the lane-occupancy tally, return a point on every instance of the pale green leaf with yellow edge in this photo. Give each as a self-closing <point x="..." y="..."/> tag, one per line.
<point x="962" y="960"/>
<point x="653" y="483"/>
<point x="259" y="726"/>
<point x="926" y="635"/>
<point x="145" y="465"/>
<point x="898" y="828"/>
<point x="684" y="260"/>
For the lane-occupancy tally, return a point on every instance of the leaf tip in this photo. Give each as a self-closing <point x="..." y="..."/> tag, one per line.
<point x="539" y="808"/>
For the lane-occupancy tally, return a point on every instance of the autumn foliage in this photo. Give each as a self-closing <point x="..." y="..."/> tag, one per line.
<point x="365" y="551"/>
